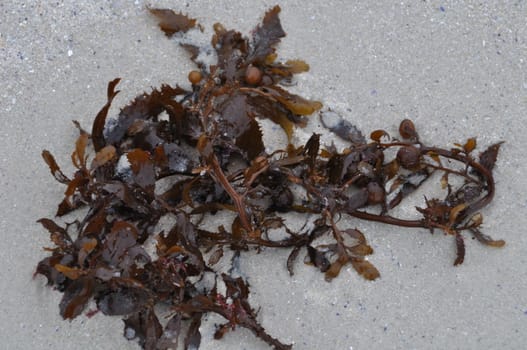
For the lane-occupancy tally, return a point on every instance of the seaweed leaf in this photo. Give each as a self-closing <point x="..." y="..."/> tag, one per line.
<point x="171" y="22"/>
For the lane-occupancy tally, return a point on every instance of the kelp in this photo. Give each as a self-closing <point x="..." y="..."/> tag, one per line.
<point x="183" y="155"/>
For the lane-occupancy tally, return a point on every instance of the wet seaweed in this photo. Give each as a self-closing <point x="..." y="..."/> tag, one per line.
<point x="211" y="149"/>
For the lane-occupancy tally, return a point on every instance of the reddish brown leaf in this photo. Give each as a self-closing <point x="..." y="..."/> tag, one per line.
<point x="100" y="120"/>
<point x="171" y="22"/>
<point x="54" y="168"/>
<point x="76" y="297"/>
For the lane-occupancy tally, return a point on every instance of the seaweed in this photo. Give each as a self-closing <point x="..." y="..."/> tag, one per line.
<point x="211" y="157"/>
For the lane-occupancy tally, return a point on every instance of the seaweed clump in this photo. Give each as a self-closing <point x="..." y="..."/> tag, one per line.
<point x="189" y="154"/>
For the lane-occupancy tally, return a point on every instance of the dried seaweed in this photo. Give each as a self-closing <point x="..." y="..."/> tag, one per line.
<point x="212" y="151"/>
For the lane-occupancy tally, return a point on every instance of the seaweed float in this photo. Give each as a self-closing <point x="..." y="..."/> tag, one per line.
<point x="189" y="154"/>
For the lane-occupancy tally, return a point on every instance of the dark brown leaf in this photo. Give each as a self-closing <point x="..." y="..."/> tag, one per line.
<point x="169" y="338"/>
<point x="238" y="125"/>
<point x="291" y="260"/>
<point x="122" y="237"/>
<point x="142" y="169"/>
<point x="122" y="301"/>
<point x="357" y="200"/>
<point x="266" y="36"/>
<point x="230" y="48"/>
<point x="193" y="338"/>
<point x="460" y="245"/>
<point x="76" y="296"/>
<point x="147" y="107"/>
<point x="317" y="258"/>
<point x="311" y="149"/>
<point x="58" y="234"/>
<point x="489" y="156"/>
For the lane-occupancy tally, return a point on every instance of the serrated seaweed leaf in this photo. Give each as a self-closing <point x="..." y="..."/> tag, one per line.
<point x="365" y="269"/>
<point x="171" y="22"/>
<point x="237" y="124"/>
<point x="266" y="36"/>
<point x="488" y="157"/>
<point x="58" y="234"/>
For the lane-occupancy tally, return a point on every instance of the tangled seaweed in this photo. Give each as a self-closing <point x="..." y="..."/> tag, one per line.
<point x="188" y="155"/>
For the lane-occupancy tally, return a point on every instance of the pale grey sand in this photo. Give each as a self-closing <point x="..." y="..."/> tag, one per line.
<point x="457" y="69"/>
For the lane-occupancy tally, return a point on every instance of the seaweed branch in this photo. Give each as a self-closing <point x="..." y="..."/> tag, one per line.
<point x="212" y="159"/>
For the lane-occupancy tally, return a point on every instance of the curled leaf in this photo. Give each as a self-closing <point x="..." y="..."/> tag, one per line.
<point x="487" y="240"/>
<point x="100" y="120"/>
<point x="460" y="245"/>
